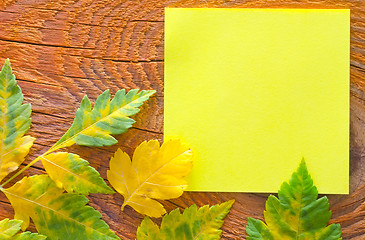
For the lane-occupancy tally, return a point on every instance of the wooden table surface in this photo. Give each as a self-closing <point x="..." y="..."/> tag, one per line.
<point x="63" y="49"/>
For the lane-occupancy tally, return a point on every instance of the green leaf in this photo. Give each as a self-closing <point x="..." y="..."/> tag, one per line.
<point x="28" y="236"/>
<point x="204" y="223"/>
<point x="10" y="228"/>
<point x="94" y="126"/>
<point x="74" y="174"/>
<point x="56" y="214"/>
<point x="297" y="214"/>
<point x="14" y="123"/>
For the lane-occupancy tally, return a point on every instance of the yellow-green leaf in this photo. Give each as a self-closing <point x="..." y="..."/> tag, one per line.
<point x="10" y="228"/>
<point x="297" y="214"/>
<point x="201" y="224"/>
<point x="94" y="126"/>
<point x="14" y="123"/>
<point x="74" y="174"/>
<point x="56" y="214"/>
<point x="154" y="173"/>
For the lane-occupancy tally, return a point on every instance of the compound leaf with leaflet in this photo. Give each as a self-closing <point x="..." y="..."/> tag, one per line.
<point x="154" y="173"/>
<point x="74" y="174"/>
<point x="56" y="214"/>
<point x="9" y="231"/>
<point x="297" y="214"/>
<point x="203" y="223"/>
<point x="94" y="126"/>
<point x="14" y="123"/>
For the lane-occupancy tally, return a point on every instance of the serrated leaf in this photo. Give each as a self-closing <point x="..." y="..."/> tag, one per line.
<point x="28" y="236"/>
<point x="74" y="174"/>
<point x="202" y="224"/>
<point x="56" y="214"/>
<point x="14" y="123"/>
<point x="10" y="228"/>
<point x="154" y="173"/>
<point x="296" y="214"/>
<point x="94" y="126"/>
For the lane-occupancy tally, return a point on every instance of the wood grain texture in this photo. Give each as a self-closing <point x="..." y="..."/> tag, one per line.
<point x="63" y="49"/>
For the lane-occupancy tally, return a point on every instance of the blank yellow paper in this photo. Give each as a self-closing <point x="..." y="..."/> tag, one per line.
<point x="255" y="90"/>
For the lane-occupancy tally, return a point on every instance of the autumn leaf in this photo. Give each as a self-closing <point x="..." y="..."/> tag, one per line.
<point x="202" y="224"/>
<point x="154" y="173"/>
<point x="14" y="123"/>
<point x="9" y="231"/>
<point x="297" y="214"/>
<point x="74" y="174"/>
<point x="94" y="126"/>
<point x="56" y="214"/>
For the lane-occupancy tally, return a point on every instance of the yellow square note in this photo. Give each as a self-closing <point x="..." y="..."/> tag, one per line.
<point x="253" y="91"/>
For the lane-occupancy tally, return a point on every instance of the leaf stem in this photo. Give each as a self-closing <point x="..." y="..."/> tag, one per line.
<point x="26" y="167"/>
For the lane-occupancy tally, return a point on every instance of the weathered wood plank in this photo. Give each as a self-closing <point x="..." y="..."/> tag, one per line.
<point x="63" y="49"/>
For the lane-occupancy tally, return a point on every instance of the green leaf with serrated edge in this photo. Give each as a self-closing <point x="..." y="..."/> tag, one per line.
<point x="10" y="228"/>
<point x="94" y="126"/>
<point x="258" y="230"/>
<point x="56" y="214"/>
<point x="74" y="174"/>
<point x="14" y="123"/>
<point x="193" y="223"/>
<point x="296" y="214"/>
<point x="28" y="236"/>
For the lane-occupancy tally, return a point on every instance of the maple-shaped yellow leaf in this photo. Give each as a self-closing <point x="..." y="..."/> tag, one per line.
<point x="153" y="173"/>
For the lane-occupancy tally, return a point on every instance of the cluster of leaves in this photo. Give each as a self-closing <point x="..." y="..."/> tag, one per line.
<point x="57" y="202"/>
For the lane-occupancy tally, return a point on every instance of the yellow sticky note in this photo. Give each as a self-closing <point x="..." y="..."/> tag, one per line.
<point x="253" y="91"/>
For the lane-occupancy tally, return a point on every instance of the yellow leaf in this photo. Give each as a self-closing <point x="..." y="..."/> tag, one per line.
<point x="55" y="214"/>
<point x="14" y="123"/>
<point x="11" y="159"/>
<point x="9" y="231"/>
<point x="154" y="173"/>
<point x="72" y="173"/>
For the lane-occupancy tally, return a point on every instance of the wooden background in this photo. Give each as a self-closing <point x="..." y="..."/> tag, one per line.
<point x="63" y="49"/>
